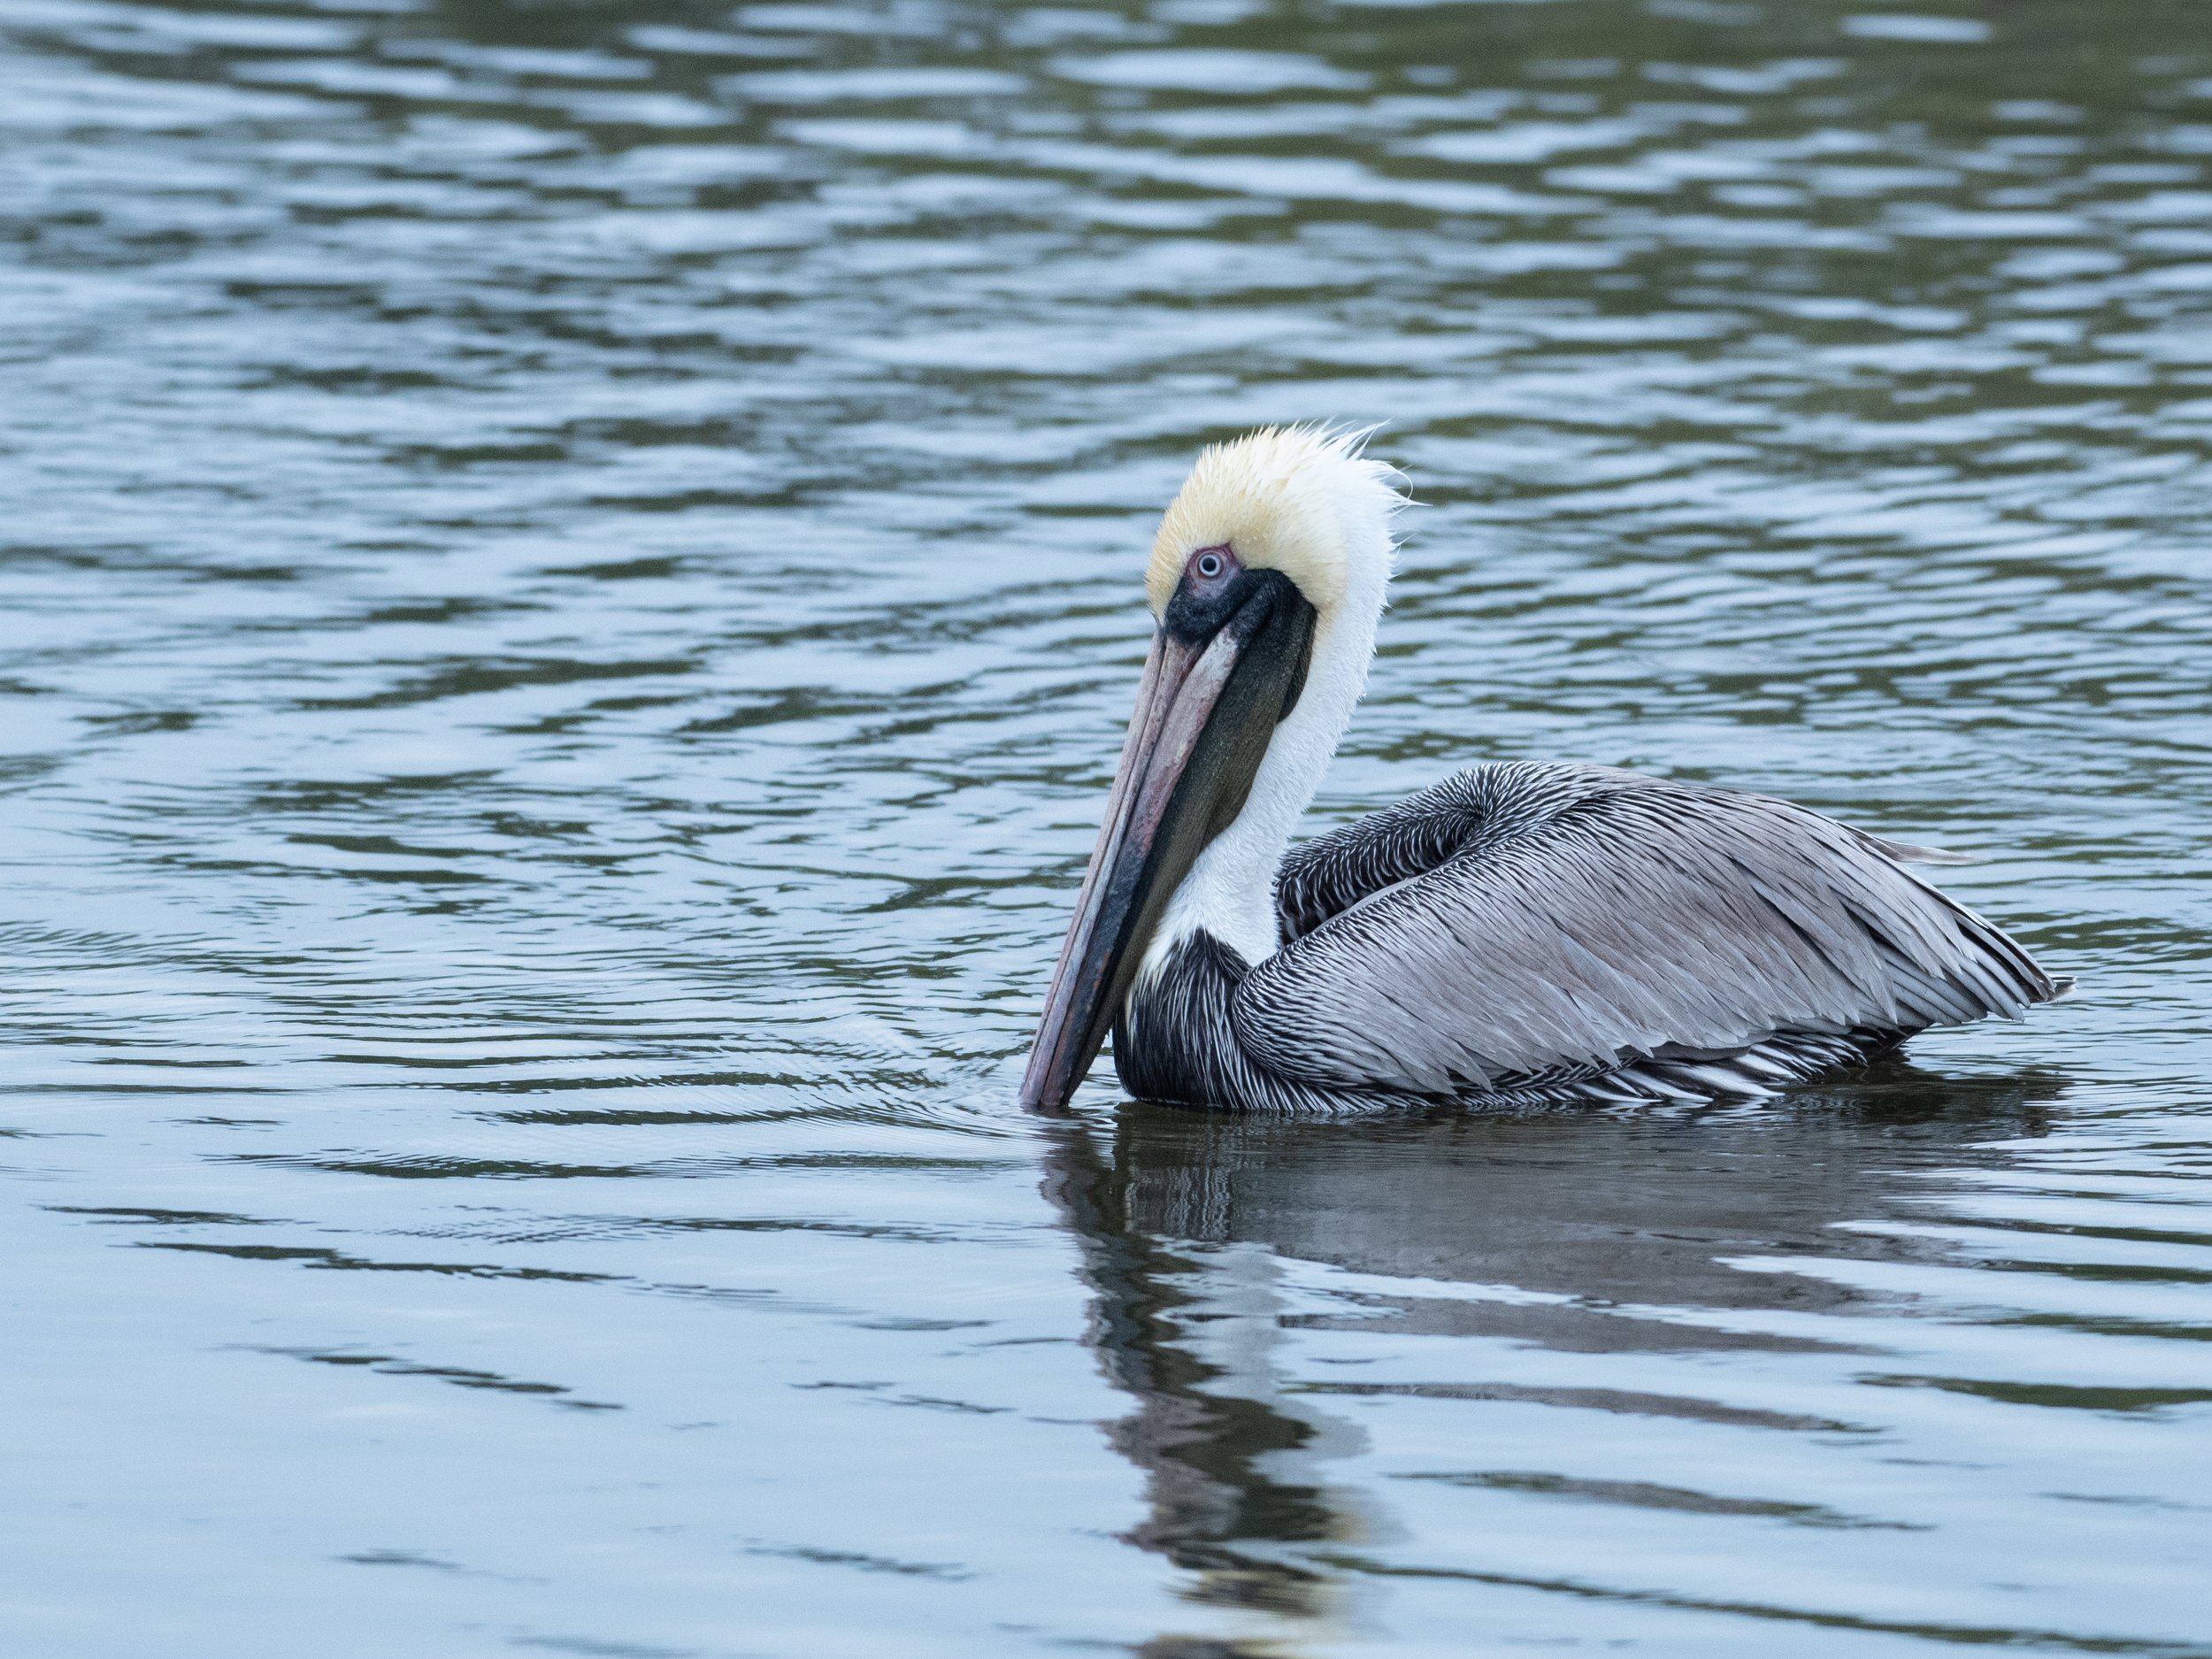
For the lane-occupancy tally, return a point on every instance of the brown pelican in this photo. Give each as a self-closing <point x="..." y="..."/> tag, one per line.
<point x="1520" y="934"/>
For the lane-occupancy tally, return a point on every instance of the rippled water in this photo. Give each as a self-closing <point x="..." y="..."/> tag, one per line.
<point x="571" y="588"/>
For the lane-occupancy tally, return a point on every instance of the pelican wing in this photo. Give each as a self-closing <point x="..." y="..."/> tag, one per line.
<point x="1521" y="921"/>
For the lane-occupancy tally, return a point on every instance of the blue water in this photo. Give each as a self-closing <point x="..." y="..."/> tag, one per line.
<point x="572" y="579"/>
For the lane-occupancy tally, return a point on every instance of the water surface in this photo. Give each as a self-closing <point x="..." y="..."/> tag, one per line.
<point x="572" y="584"/>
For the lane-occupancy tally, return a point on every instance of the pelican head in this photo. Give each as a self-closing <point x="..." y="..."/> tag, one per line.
<point x="1266" y="580"/>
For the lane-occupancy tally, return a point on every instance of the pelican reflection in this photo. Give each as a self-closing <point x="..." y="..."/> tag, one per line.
<point x="1562" y="1236"/>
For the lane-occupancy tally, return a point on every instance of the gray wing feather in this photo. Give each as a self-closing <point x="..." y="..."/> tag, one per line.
<point x="1519" y="920"/>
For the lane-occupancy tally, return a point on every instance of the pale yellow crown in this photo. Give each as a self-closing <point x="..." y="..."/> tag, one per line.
<point x="1286" y="498"/>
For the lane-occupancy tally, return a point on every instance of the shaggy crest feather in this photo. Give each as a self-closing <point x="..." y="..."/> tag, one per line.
<point x="1295" y="499"/>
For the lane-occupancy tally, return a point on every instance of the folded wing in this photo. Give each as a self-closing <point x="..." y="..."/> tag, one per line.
<point x="1524" y="921"/>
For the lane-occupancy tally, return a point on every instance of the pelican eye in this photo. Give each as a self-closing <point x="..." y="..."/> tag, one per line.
<point x="1211" y="566"/>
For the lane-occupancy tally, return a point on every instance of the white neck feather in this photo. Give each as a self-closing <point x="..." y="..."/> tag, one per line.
<point x="1230" y="891"/>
